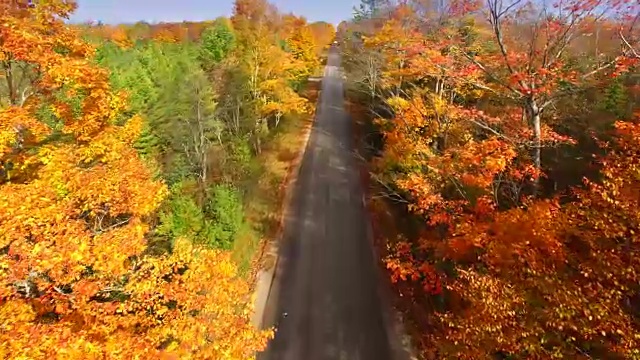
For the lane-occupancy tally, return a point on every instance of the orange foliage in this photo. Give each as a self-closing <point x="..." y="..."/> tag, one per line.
<point x="526" y="276"/>
<point x="165" y="34"/>
<point x="539" y="271"/>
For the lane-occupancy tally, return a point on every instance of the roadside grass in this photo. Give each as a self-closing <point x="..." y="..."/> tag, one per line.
<point x="264" y="193"/>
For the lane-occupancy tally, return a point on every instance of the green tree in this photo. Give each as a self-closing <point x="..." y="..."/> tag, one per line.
<point x="615" y="98"/>
<point x="216" y="43"/>
<point x="225" y="215"/>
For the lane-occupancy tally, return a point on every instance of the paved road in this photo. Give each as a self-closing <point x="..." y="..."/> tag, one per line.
<point x="324" y="300"/>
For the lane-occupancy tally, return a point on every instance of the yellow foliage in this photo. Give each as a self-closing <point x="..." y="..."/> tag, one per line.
<point x="120" y="37"/>
<point x="302" y="46"/>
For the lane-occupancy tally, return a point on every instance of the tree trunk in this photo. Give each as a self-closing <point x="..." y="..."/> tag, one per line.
<point x="373" y="80"/>
<point x="278" y="116"/>
<point x="11" y="86"/>
<point x="533" y="112"/>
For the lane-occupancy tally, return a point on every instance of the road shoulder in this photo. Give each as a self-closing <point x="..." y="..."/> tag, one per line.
<point x="269" y="264"/>
<point x="400" y="342"/>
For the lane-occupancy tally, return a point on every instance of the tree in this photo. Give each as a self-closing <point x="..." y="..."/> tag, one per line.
<point x="323" y="34"/>
<point x="265" y="64"/>
<point x="537" y="70"/>
<point x="216" y="43"/>
<point x="551" y="281"/>
<point x="367" y="9"/>
<point x="301" y="45"/>
<point x="140" y="31"/>
<point x="502" y="273"/>
<point x="194" y="113"/>
<point x="255" y="43"/>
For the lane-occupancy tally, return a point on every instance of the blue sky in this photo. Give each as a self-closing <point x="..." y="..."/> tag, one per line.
<point x="113" y="11"/>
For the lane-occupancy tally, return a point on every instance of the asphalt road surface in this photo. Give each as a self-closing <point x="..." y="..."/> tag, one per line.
<point x="324" y="300"/>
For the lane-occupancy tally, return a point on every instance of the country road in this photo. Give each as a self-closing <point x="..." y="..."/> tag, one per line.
<point x="325" y="300"/>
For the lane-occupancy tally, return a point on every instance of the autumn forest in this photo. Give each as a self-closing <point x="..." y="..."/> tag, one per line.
<point x="503" y="146"/>
<point x="142" y="170"/>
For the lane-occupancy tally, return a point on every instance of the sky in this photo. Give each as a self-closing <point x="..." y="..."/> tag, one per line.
<point x="117" y="11"/>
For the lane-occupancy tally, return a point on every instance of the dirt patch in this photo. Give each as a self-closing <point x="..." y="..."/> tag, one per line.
<point x="287" y="156"/>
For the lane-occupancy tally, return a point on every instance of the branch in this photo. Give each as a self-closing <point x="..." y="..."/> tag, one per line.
<point x="393" y="197"/>
<point x="480" y="86"/>
<point x="554" y="98"/>
<point x="119" y="223"/>
<point x="111" y="289"/>
<point x="630" y="48"/>
<point x="454" y="181"/>
<point x="493" y="131"/>
<point x="497" y="29"/>
<point x="24" y="96"/>
<point x="597" y="70"/>
<point x="506" y="10"/>
<point x="491" y="75"/>
<point x="391" y="194"/>
<point x="60" y="291"/>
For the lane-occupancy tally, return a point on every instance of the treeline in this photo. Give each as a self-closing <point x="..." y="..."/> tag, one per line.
<point x="189" y="31"/>
<point x="126" y="156"/>
<point x="505" y="138"/>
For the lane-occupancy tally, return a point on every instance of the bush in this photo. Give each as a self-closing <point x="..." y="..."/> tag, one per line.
<point x="181" y="217"/>
<point x="225" y="215"/>
<point x="215" y="224"/>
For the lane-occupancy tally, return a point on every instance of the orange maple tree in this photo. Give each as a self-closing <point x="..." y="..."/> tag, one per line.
<point x="77" y="274"/>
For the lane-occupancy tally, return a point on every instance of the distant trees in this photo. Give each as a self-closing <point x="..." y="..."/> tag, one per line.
<point x="367" y="9"/>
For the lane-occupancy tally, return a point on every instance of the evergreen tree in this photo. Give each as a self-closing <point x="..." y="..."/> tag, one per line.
<point x="216" y="43"/>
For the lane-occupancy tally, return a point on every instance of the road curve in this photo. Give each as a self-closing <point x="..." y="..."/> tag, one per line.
<point x="324" y="300"/>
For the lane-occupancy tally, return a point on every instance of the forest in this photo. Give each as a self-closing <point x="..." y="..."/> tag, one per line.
<point x="500" y="142"/>
<point x="138" y="164"/>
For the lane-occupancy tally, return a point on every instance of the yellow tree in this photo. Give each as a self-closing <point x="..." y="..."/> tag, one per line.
<point x="323" y="33"/>
<point x="76" y="273"/>
<point x="255" y="44"/>
<point x="268" y="67"/>
<point x="283" y="100"/>
<point x="301" y="44"/>
<point x="120" y="37"/>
